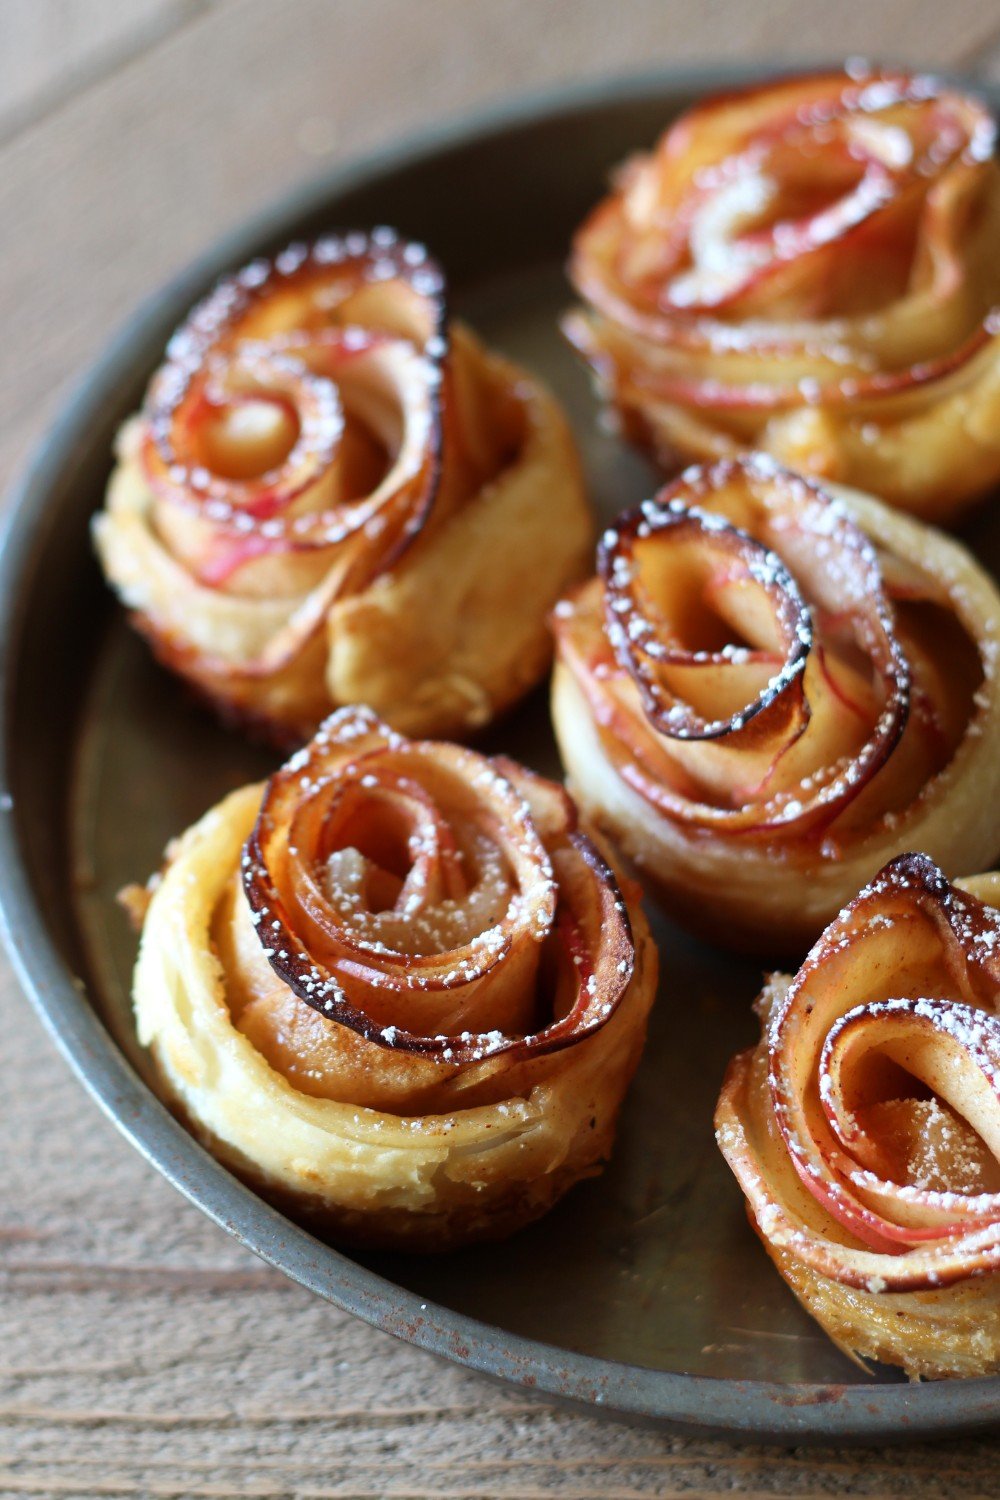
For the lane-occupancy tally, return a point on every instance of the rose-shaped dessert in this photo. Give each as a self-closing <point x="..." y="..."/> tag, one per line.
<point x="812" y="268"/>
<point x="769" y="690"/>
<point x="332" y="494"/>
<point x="864" y="1128"/>
<point x="400" y="987"/>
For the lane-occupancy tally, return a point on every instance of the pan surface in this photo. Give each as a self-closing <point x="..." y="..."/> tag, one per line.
<point x="644" y="1293"/>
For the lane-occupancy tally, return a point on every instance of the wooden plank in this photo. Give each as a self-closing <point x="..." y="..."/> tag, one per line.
<point x="143" y="1352"/>
<point x="54" y="48"/>
<point x="154" y="161"/>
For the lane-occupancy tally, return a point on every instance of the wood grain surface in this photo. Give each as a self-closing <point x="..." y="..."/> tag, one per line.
<point x="142" y="1353"/>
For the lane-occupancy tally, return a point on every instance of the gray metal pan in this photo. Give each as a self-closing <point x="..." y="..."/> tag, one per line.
<point x="644" y="1294"/>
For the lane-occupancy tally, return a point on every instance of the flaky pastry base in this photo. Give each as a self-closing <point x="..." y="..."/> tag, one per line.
<point x="936" y="1335"/>
<point x="370" y="1177"/>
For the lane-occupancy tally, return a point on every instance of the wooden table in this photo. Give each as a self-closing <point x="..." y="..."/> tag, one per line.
<point x="141" y="1351"/>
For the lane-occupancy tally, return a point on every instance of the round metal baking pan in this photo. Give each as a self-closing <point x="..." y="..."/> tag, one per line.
<point x="644" y="1294"/>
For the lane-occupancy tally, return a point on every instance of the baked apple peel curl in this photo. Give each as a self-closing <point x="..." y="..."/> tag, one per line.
<point x="864" y="1128"/>
<point x="398" y="798"/>
<point x="809" y="267"/>
<point x="398" y="987"/>
<point x="209" y="421"/>
<point x="323" y="496"/>
<point x="767" y="684"/>
<point x="766" y="694"/>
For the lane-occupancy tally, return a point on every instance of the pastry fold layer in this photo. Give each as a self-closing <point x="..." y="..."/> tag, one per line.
<point x="398" y="986"/>
<point x="810" y="267"/>
<point x="333" y="494"/>
<point x="864" y="1128"/>
<point x="769" y="689"/>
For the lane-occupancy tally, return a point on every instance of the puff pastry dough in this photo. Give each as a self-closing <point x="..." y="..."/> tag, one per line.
<point x="398" y="986"/>
<point x="811" y="267"/>
<point x="864" y="1128"/>
<point x="767" y="691"/>
<point x="332" y="495"/>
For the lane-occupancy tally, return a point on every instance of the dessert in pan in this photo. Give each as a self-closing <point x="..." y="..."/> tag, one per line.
<point x="767" y="690"/>
<point x="403" y="986"/>
<point x="864" y="1128"/>
<point x="333" y="493"/>
<point x="809" y="267"/>
<point x="398" y="986"/>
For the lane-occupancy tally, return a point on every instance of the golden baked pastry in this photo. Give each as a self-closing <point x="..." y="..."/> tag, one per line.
<point x="398" y="986"/>
<point x="768" y="690"/>
<point x="334" y="495"/>
<point x="811" y="267"/>
<point x="864" y="1128"/>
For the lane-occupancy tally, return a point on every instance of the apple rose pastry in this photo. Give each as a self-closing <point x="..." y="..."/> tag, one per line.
<point x="330" y="496"/>
<point x="864" y="1128"/>
<point x="401" y="987"/>
<point x="769" y="690"/>
<point x="812" y="268"/>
